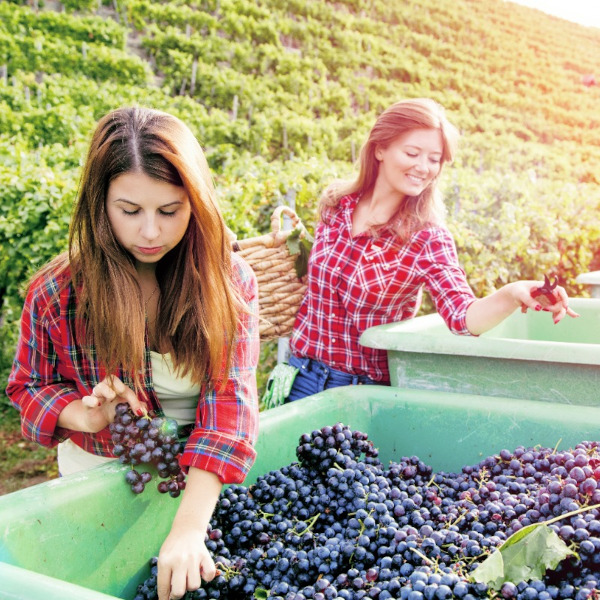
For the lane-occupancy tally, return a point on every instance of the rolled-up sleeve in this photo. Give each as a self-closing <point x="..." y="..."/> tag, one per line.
<point x="227" y="419"/>
<point x="35" y="386"/>
<point x="445" y="280"/>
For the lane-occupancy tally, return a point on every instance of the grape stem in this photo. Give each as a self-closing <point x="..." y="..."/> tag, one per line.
<point x="425" y="558"/>
<point x="569" y="514"/>
<point x="228" y="572"/>
<point x="310" y="525"/>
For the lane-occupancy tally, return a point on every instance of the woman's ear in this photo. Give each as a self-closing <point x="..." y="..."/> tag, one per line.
<point x="378" y="153"/>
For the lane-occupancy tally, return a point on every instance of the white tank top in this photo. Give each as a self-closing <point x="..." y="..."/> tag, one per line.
<point x="178" y="397"/>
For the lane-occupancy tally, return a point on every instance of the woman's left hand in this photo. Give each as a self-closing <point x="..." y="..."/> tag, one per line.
<point x="559" y="309"/>
<point x="183" y="562"/>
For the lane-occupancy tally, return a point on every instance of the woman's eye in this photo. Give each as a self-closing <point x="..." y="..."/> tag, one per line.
<point x="131" y="212"/>
<point x="168" y="214"/>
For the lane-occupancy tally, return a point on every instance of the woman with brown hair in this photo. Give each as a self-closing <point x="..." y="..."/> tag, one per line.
<point x="149" y="306"/>
<point x="380" y="240"/>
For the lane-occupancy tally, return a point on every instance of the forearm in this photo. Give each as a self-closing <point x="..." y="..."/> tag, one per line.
<point x="73" y="417"/>
<point x="486" y="313"/>
<point x="40" y="408"/>
<point x="198" y="502"/>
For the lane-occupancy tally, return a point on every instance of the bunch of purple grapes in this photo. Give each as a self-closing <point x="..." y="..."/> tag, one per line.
<point x="145" y="441"/>
<point x="339" y="525"/>
<point x="336" y="444"/>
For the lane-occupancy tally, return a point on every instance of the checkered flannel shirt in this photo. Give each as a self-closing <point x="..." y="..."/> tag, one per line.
<point x="358" y="282"/>
<point x="51" y="370"/>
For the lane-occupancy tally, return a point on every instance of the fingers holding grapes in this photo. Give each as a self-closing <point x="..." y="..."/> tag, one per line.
<point x="180" y="574"/>
<point x="108" y="393"/>
<point x="184" y="562"/>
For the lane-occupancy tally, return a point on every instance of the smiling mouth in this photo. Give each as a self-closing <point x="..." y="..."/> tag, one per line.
<point x="415" y="179"/>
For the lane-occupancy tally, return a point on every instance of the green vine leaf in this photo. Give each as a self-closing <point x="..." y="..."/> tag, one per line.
<point x="300" y="242"/>
<point x="261" y="594"/>
<point x="525" y="555"/>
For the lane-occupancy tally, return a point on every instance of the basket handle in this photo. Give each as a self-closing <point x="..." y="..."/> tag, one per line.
<point x="278" y="213"/>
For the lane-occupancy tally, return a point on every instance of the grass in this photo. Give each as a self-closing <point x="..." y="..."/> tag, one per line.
<point x="22" y="463"/>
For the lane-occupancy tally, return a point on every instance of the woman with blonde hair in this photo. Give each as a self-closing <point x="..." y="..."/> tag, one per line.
<point x="380" y="240"/>
<point x="149" y="306"/>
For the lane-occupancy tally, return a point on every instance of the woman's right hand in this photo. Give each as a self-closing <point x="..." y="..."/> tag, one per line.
<point x="99" y="407"/>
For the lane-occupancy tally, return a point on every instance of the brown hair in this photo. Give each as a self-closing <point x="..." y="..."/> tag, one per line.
<point x="198" y="310"/>
<point x="415" y="212"/>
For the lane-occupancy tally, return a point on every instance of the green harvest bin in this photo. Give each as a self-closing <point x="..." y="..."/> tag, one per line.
<point x="526" y="356"/>
<point x="87" y="537"/>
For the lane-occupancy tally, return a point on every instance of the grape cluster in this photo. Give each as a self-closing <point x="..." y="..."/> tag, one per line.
<point x="337" y="524"/>
<point x="146" y="440"/>
<point x="335" y="444"/>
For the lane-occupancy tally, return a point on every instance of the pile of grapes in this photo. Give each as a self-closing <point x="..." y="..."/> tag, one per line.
<point x="338" y="524"/>
<point x="145" y="440"/>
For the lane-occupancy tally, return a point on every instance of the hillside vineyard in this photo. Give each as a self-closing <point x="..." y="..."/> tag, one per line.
<point x="281" y="94"/>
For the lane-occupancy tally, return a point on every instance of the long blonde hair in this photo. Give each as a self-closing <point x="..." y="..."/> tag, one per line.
<point x="198" y="307"/>
<point x="415" y="212"/>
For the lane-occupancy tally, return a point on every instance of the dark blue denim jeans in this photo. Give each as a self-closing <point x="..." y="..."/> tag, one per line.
<point x="315" y="376"/>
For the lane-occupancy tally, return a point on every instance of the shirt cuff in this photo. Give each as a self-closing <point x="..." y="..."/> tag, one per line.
<point x="39" y="418"/>
<point x="228" y="457"/>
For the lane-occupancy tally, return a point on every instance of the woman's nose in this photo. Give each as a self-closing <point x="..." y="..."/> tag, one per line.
<point x="422" y="164"/>
<point x="149" y="228"/>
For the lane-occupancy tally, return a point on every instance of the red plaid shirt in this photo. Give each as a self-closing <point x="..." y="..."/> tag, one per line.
<point x="358" y="282"/>
<point x="51" y="370"/>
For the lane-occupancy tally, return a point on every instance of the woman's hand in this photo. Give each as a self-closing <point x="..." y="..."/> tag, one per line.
<point x="559" y="309"/>
<point x="485" y="313"/>
<point x="183" y="563"/>
<point x="99" y="407"/>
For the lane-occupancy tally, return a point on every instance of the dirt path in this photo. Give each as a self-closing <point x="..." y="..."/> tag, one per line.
<point x="23" y="463"/>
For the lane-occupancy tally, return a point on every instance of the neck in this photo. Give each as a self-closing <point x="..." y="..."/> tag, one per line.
<point x="383" y="199"/>
<point x="379" y="208"/>
<point x="372" y="211"/>
<point x="147" y="280"/>
<point x="146" y="271"/>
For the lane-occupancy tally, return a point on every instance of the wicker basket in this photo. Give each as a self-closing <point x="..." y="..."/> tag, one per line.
<point x="280" y="290"/>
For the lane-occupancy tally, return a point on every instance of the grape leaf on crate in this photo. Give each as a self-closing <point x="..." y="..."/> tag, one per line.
<point x="300" y="242"/>
<point x="525" y="555"/>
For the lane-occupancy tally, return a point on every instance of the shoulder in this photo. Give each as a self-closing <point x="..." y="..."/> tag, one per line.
<point x="435" y="244"/>
<point x="432" y="234"/>
<point x="47" y="287"/>
<point x="330" y="213"/>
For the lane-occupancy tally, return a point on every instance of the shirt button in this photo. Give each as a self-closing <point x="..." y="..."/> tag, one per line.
<point x="333" y="341"/>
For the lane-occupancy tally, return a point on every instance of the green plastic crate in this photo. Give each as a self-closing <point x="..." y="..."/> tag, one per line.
<point x="526" y="356"/>
<point x="87" y="537"/>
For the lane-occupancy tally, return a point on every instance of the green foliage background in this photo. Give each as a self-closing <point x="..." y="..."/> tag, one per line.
<point x="281" y="94"/>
